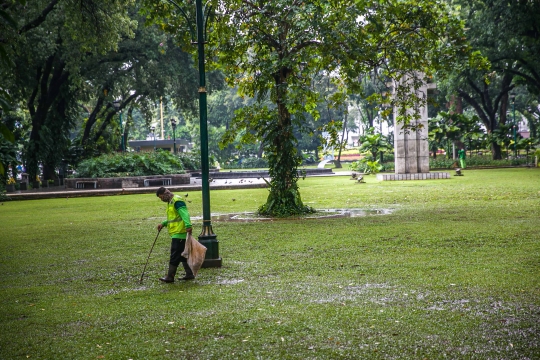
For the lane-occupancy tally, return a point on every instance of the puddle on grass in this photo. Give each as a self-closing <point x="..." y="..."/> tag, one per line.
<point x="320" y="214"/>
<point x="229" y="282"/>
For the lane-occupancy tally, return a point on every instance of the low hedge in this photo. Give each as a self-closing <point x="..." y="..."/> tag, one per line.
<point x="135" y="164"/>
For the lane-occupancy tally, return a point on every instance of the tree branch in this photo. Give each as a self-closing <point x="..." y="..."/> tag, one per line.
<point x="92" y="120"/>
<point x="40" y="19"/>
<point x="476" y="107"/>
<point x="30" y="103"/>
<point x="111" y="114"/>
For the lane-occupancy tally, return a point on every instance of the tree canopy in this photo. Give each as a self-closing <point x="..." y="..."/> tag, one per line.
<point x="45" y="53"/>
<point x="507" y="34"/>
<point x="67" y="63"/>
<point x="271" y="51"/>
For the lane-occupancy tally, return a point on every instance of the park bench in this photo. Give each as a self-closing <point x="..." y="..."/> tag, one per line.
<point x="86" y="185"/>
<point x="158" y="182"/>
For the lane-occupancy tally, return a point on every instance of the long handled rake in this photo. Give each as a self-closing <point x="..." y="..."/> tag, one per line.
<point x="152" y="248"/>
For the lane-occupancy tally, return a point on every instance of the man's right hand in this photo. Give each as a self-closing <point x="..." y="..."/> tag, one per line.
<point x="159" y="227"/>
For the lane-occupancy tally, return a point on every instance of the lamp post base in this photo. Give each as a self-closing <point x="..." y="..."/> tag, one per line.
<point x="209" y="239"/>
<point x="211" y="263"/>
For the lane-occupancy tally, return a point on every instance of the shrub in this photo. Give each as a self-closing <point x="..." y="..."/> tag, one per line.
<point x="246" y="163"/>
<point x="366" y="166"/>
<point x="474" y="161"/>
<point x="131" y="164"/>
<point x="3" y="194"/>
<point x="388" y="158"/>
<point x="191" y="160"/>
<point x="388" y="166"/>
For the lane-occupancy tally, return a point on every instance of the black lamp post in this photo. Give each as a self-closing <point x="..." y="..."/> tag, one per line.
<point x="381" y="155"/>
<point x="513" y="97"/>
<point x="173" y="124"/>
<point x="152" y="130"/>
<point x="207" y="236"/>
<point x="116" y="105"/>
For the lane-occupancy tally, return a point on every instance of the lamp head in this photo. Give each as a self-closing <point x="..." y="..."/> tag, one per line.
<point x="173" y="123"/>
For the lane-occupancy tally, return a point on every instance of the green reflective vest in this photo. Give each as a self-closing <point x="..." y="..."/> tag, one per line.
<point x="177" y="221"/>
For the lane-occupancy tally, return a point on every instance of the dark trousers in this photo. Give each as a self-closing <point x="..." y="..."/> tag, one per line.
<point x="177" y="247"/>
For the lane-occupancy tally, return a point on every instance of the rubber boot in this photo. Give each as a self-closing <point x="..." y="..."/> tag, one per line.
<point x="189" y="273"/>
<point x="169" y="278"/>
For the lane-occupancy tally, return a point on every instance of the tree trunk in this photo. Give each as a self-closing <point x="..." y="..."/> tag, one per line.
<point x="337" y="163"/>
<point x="496" y="153"/>
<point x="50" y="79"/>
<point x="48" y="172"/>
<point x="260" y="151"/>
<point x="283" y="161"/>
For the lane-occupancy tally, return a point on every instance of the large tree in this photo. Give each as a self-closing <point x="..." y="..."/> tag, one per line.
<point x="143" y="70"/>
<point x="45" y="51"/>
<point x="271" y="50"/>
<point x="508" y="35"/>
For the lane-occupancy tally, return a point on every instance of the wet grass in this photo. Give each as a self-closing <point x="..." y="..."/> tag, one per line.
<point x="452" y="272"/>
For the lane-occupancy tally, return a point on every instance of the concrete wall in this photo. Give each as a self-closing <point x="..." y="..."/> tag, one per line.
<point x="128" y="182"/>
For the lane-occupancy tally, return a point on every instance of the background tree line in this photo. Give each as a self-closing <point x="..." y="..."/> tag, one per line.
<point x="296" y="70"/>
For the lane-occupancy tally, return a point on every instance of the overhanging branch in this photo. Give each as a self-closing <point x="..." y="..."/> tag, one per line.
<point x="40" y="19"/>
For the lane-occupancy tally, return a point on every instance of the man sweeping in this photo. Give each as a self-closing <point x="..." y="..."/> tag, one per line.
<point x="179" y="225"/>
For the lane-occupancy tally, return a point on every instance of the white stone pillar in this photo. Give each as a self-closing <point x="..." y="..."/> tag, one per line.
<point x="411" y="148"/>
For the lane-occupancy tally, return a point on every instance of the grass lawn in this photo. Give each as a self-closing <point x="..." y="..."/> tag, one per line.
<point x="453" y="272"/>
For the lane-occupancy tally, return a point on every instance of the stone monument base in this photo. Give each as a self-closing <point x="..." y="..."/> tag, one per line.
<point x="418" y="176"/>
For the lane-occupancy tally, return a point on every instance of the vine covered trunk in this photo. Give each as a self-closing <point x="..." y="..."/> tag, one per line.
<point x="283" y="161"/>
